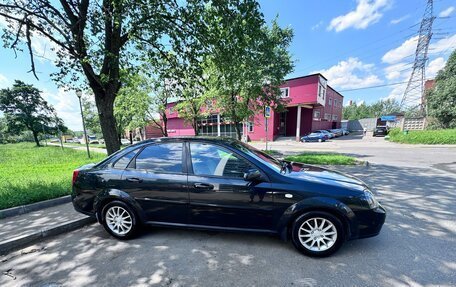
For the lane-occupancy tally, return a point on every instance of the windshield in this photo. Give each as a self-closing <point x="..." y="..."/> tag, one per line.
<point x="266" y="159"/>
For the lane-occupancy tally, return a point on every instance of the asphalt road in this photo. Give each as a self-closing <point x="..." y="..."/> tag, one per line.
<point x="416" y="247"/>
<point x="372" y="149"/>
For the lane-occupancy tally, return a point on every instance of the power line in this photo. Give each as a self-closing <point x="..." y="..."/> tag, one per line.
<point x="373" y="87"/>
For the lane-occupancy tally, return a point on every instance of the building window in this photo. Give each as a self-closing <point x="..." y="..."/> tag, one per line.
<point x="330" y="101"/>
<point x="335" y="102"/>
<point x="250" y="127"/>
<point x="328" y="117"/>
<point x="334" y="117"/>
<point x="171" y="110"/>
<point x="284" y="92"/>
<point x="316" y="114"/>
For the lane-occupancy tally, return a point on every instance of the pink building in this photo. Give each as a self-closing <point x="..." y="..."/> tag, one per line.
<point x="310" y="105"/>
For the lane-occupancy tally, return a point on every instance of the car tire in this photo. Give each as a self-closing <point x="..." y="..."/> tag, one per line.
<point x="120" y="220"/>
<point x="317" y="234"/>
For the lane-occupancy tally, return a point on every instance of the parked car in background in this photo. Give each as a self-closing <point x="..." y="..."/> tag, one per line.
<point x="380" y="131"/>
<point x="314" y="137"/>
<point x="325" y="132"/>
<point x="336" y="132"/>
<point x="223" y="184"/>
<point x="345" y="132"/>
<point x="125" y="141"/>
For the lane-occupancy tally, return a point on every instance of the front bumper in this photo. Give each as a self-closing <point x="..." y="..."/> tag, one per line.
<point x="370" y="222"/>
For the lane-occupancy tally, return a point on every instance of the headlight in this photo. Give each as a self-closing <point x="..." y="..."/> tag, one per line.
<point x="369" y="198"/>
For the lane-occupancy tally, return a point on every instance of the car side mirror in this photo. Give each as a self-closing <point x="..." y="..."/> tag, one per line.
<point x="252" y="174"/>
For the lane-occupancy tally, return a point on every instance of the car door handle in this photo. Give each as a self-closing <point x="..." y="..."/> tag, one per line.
<point x="134" y="179"/>
<point x="205" y="186"/>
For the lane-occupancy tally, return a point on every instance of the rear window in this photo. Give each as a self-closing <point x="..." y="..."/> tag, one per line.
<point x="123" y="162"/>
<point x="165" y="158"/>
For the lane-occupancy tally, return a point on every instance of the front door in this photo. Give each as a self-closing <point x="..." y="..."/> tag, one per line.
<point x="219" y="195"/>
<point x="283" y="124"/>
<point x="157" y="180"/>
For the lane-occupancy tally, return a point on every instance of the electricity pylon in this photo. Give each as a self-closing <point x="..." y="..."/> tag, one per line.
<point x="414" y="93"/>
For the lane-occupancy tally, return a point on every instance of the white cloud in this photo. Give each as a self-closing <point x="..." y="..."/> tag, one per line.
<point x="397" y="93"/>
<point x="434" y="66"/>
<point x="399" y="20"/>
<point x="367" y="12"/>
<point x="66" y="105"/>
<point x="43" y="48"/>
<point x="351" y="73"/>
<point x="406" y="49"/>
<point x="3" y="81"/>
<point x="445" y="45"/>
<point x="316" y="26"/>
<point x="398" y="72"/>
<point x="447" y="12"/>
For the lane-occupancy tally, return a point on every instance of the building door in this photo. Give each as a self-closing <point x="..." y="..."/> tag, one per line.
<point x="334" y="125"/>
<point x="283" y="124"/>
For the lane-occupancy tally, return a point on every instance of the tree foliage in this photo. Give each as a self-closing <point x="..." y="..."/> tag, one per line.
<point x="441" y="100"/>
<point x="95" y="40"/>
<point x="375" y="110"/>
<point x="25" y="109"/>
<point x="245" y="69"/>
<point x="91" y="118"/>
<point x="132" y="105"/>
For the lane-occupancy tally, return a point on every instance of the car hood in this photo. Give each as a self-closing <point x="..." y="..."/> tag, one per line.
<point x="323" y="175"/>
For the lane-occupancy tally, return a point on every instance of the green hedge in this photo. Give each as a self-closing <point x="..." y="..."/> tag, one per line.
<point x="447" y="136"/>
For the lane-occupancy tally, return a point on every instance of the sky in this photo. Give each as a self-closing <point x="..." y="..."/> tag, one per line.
<point x="355" y="44"/>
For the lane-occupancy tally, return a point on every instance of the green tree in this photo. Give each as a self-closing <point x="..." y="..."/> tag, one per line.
<point x="95" y="40"/>
<point x="25" y="109"/>
<point x="245" y="70"/>
<point x="356" y="111"/>
<point x="133" y="104"/>
<point x="441" y="101"/>
<point x="91" y="118"/>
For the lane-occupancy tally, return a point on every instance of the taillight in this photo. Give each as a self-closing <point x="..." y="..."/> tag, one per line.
<point x="75" y="176"/>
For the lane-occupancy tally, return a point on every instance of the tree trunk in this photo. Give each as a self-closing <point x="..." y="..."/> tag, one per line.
<point x="195" y="126"/>
<point x="130" y="134"/>
<point x="35" y="137"/>
<point x="105" y="106"/>
<point x="165" y="125"/>
<point x="238" y="131"/>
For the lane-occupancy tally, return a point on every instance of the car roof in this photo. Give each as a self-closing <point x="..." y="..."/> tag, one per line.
<point x="225" y="140"/>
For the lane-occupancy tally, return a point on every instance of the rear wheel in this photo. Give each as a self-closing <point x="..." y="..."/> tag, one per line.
<point x="317" y="234"/>
<point x="120" y="220"/>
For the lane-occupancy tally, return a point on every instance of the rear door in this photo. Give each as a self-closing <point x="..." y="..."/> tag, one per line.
<point x="219" y="195"/>
<point x="157" y="179"/>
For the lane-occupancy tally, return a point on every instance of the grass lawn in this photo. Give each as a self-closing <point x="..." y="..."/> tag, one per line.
<point x="323" y="159"/>
<point x="424" y="137"/>
<point x="29" y="174"/>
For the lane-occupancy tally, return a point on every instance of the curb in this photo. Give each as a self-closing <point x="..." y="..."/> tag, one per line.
<point x="22" y="241"/>
<point x="13" y="211"/>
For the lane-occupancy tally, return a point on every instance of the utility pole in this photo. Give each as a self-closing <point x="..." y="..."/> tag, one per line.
<point x="79" y="94"/>
<point x="414" y="92"/>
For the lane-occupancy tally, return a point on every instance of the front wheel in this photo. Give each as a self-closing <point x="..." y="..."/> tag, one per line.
<point x="317" y="234"/>
<point x="120" y="220"/>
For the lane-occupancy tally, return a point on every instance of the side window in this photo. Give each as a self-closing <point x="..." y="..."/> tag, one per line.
<point x="208" y="159"/>
<point x="123" y="162"/>
<point x="161" y="158"/>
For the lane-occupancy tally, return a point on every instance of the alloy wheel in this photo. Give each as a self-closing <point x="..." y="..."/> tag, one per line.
<point x="317" y="234"/>
<point x="118" y="220"/>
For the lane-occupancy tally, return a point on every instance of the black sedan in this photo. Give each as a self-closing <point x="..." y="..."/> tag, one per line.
<point x="223" y="184"/>
<point x="380" y="131"/>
